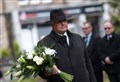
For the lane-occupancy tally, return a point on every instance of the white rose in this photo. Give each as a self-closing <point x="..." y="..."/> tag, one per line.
<point x="38" y="60"/>
<point x="50" y="51"/>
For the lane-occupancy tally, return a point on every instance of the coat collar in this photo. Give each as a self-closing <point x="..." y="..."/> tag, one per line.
<point x="56" y="37"/>
<point x="113" y="35"/>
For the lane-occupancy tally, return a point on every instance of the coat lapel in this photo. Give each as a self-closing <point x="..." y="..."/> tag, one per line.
<point x="56" y="37"/>
<point x="90" y="42"/>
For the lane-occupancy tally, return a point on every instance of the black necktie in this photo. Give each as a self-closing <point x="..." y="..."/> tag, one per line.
<point x="64" y="40"/>
<point x="86" y="40"/>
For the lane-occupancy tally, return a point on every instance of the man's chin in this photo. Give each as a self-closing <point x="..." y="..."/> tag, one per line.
<point x="62" y="32"/>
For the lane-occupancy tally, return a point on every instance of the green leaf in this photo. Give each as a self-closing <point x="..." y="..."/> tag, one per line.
<point x="50" y="60"/>
<point x="7" y="73"/>
<point x="35" y="74"/>
<point x="17" y="73"/>
<point x="49" y="69"/>
<point x="66" y="77"/>
<point x="21" y="60"/>
<point x="21" y="78"/>
<point x="18" y="66"/>
<point x="31" y="67"/>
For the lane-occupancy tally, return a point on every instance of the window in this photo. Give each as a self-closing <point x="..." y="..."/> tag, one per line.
<point x="23" y="2"/>
<point x="46" y="1"/>
<point x="33" y="2"/>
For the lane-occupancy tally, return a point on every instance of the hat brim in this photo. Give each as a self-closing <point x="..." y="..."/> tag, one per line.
<point x="60" y="18"/>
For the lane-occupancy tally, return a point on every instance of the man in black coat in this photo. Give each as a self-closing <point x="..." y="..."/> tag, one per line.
<point x="70" y="50"/>
<point x="109" y="51"/>
<point x="91" y="42"/>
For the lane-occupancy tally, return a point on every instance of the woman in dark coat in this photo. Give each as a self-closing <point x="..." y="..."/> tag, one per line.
<point x="70" y="50"/>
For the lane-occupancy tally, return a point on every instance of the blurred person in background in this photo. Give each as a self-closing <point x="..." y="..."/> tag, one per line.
<point x="91" y="43"/>
<point x="70" y="49"/>
<point x="1" y="72"/>
<point x="1" y="75"/>
<point x="109" y="52"/>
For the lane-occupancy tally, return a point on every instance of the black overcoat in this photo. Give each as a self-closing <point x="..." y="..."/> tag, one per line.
<point x="92" y="52"/>
<point x="73" y="58"/>
<point x="110" y="48"/>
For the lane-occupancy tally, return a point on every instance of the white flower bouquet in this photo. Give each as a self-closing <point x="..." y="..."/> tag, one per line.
<point x="30" y="64"/>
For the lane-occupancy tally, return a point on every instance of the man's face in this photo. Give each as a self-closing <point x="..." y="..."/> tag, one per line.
<point x="86" y="29"/>
<point x="108" y="27"/>
<point x="60" y="26"/>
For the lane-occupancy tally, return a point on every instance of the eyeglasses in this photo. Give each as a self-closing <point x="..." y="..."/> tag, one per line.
<point x="85" y="28"/>
<point x="107" y="28"/>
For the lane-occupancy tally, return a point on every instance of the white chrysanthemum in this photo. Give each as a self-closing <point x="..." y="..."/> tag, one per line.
<point x="50" y="51"/>
<point x="38" y="60"/>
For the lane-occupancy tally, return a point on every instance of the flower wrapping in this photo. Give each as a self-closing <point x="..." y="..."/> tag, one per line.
<point x="31" y="63"/>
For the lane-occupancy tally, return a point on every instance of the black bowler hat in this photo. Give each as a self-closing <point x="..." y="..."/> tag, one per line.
<point x="57" y="14"/>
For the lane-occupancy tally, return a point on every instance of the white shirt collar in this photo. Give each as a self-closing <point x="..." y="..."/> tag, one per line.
<point x="109" y="37"/>
<point x="66" y="36"/>
<point x="89" y="35"/>
<point x="62" y="34"/>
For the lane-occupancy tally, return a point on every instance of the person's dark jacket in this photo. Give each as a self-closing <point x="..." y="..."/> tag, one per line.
<point x="73" y="58"/>
<point x="110" y="48"/>
<point x="92" y="52"/>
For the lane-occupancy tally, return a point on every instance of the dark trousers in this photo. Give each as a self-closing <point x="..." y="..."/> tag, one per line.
<point x="99" y="76"/>
<point x="114" y="77"/>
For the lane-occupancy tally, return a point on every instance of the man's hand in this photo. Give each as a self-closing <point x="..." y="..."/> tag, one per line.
<point x="108" y="61"/>
<point x="55" y="70"/>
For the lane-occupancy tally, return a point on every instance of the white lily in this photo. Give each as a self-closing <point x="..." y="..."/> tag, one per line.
<point x="38" y="60"/>
<point x="50" y="51"/>
<point x="29" y="55"/>
<point x="43" y="53"/>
